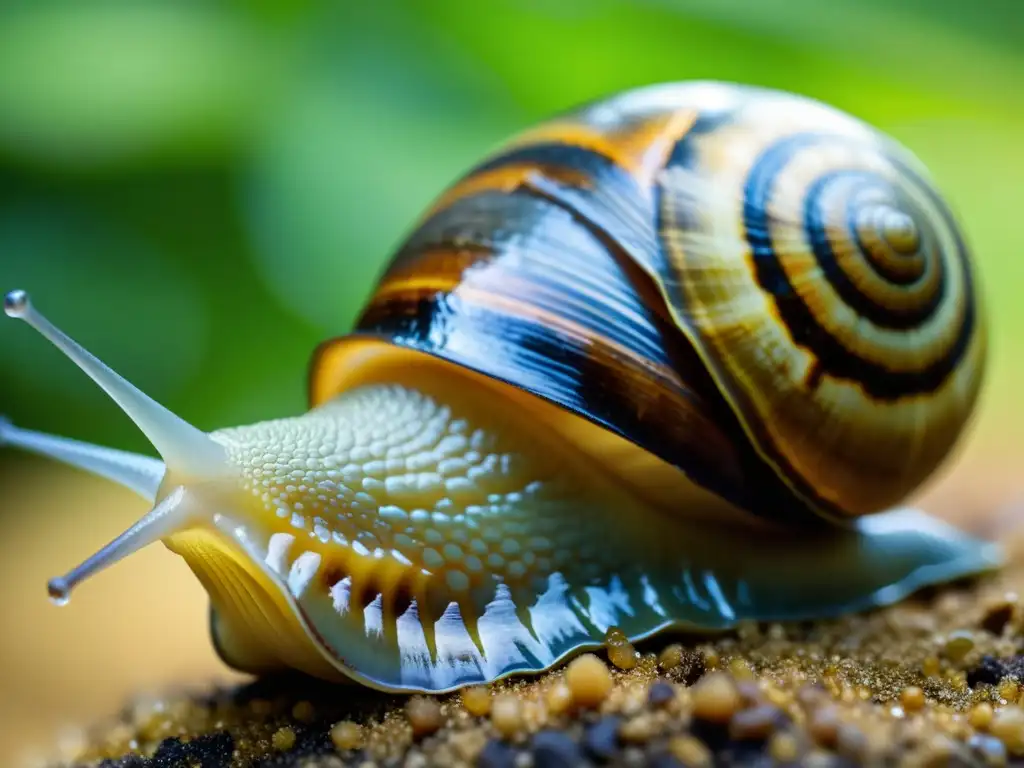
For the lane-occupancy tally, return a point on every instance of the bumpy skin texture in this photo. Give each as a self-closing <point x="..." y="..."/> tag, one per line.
<point x="390" y="474"/>
<point x="389" y="505"/>
<point x="757" y="288"/>
<point x="428" y="536"/>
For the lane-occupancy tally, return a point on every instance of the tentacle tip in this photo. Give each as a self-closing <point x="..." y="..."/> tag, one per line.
<point x="6" y="425"/>
<point x="59" y="590"/>
<point x="17" y="303"/>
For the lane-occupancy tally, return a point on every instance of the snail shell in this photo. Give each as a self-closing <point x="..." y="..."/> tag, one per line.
<point x="748" y="284"/>
<point x="648" y="366"/>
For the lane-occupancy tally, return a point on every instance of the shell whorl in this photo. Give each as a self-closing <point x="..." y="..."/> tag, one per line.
<point x="753" y="286"/>
<point x="830" y="290"/>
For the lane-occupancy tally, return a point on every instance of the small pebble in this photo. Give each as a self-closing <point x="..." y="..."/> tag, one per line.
<point x="671" y="656"/>
<point x="958" y="645"/>
<point x="304" y="712"/>
<point x="715" y="698"/>
<point x="347" y="735"/>
<point x="633" y="757"/>
<point x="1008" y="726"/>
<point x="931" y="666"/>
<point x="817" y="758"/>
<point x="938" y="750"/>
<point x="823" y="725"/>
<point x="534" y="714"/>
<point x="507" y="714"/>
<point x="851" y="741"/>
<point x="468" y="744"/>
<point x="777" y="696"/>
<point x="990" y="749"/>
<point x="755" y="724"/>
<point x="283" y="739"/>
<point x="496" y="754"/>
<point x="601" y="740"/>
<point x="639" y="729"/>
<point x="589" y="680"/>
<point x="554" y="749"/>
<point x="621" y="652"/>
<point x="999" y="613"/>
<point x="750" y="692"/>
<point x="691" y="752"/>
<point x="424" y="714"/>
<point x="912" y="698"/>
<point x="558" y="698"/>
<point x="741" y="669"/>
<point x="810" y="696"/>
<point x="477" y="700"/>
<point x="988" y="671"/>
<point x="784" y="748"/>
<point x="660" y="693"/>
<point x="1009" y="690"/>
<point x="658" y="757"/>
<point x="980" y="716"/>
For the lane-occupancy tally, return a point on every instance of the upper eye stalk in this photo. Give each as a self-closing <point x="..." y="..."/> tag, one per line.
<point x="189" y="455"/>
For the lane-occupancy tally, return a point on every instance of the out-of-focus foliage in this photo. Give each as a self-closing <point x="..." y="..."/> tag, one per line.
<point x="202" y="191"/>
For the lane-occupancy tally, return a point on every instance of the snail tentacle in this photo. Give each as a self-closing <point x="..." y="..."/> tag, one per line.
<point x="173" y="513"/>
<point x="192" y="459"/>
<point x="186" y="450"/>
<point x="139" y="473"/>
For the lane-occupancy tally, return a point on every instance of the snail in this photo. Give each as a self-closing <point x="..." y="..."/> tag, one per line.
<point x="672" y="360"/>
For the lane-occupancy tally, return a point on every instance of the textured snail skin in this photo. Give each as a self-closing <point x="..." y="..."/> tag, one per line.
<point x="651" y="366"/>
<point x="484" y="543"/>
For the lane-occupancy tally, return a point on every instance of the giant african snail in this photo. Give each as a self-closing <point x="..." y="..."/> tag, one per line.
<point x="651" y="365"/>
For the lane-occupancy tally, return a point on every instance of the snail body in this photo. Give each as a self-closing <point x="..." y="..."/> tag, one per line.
<point x="670" y="360"/>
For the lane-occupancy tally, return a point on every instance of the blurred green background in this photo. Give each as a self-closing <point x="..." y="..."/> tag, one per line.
<point x="201" y="191"/>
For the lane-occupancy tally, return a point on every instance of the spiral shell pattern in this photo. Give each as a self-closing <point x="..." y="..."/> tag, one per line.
<point x="830" y="290"/>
